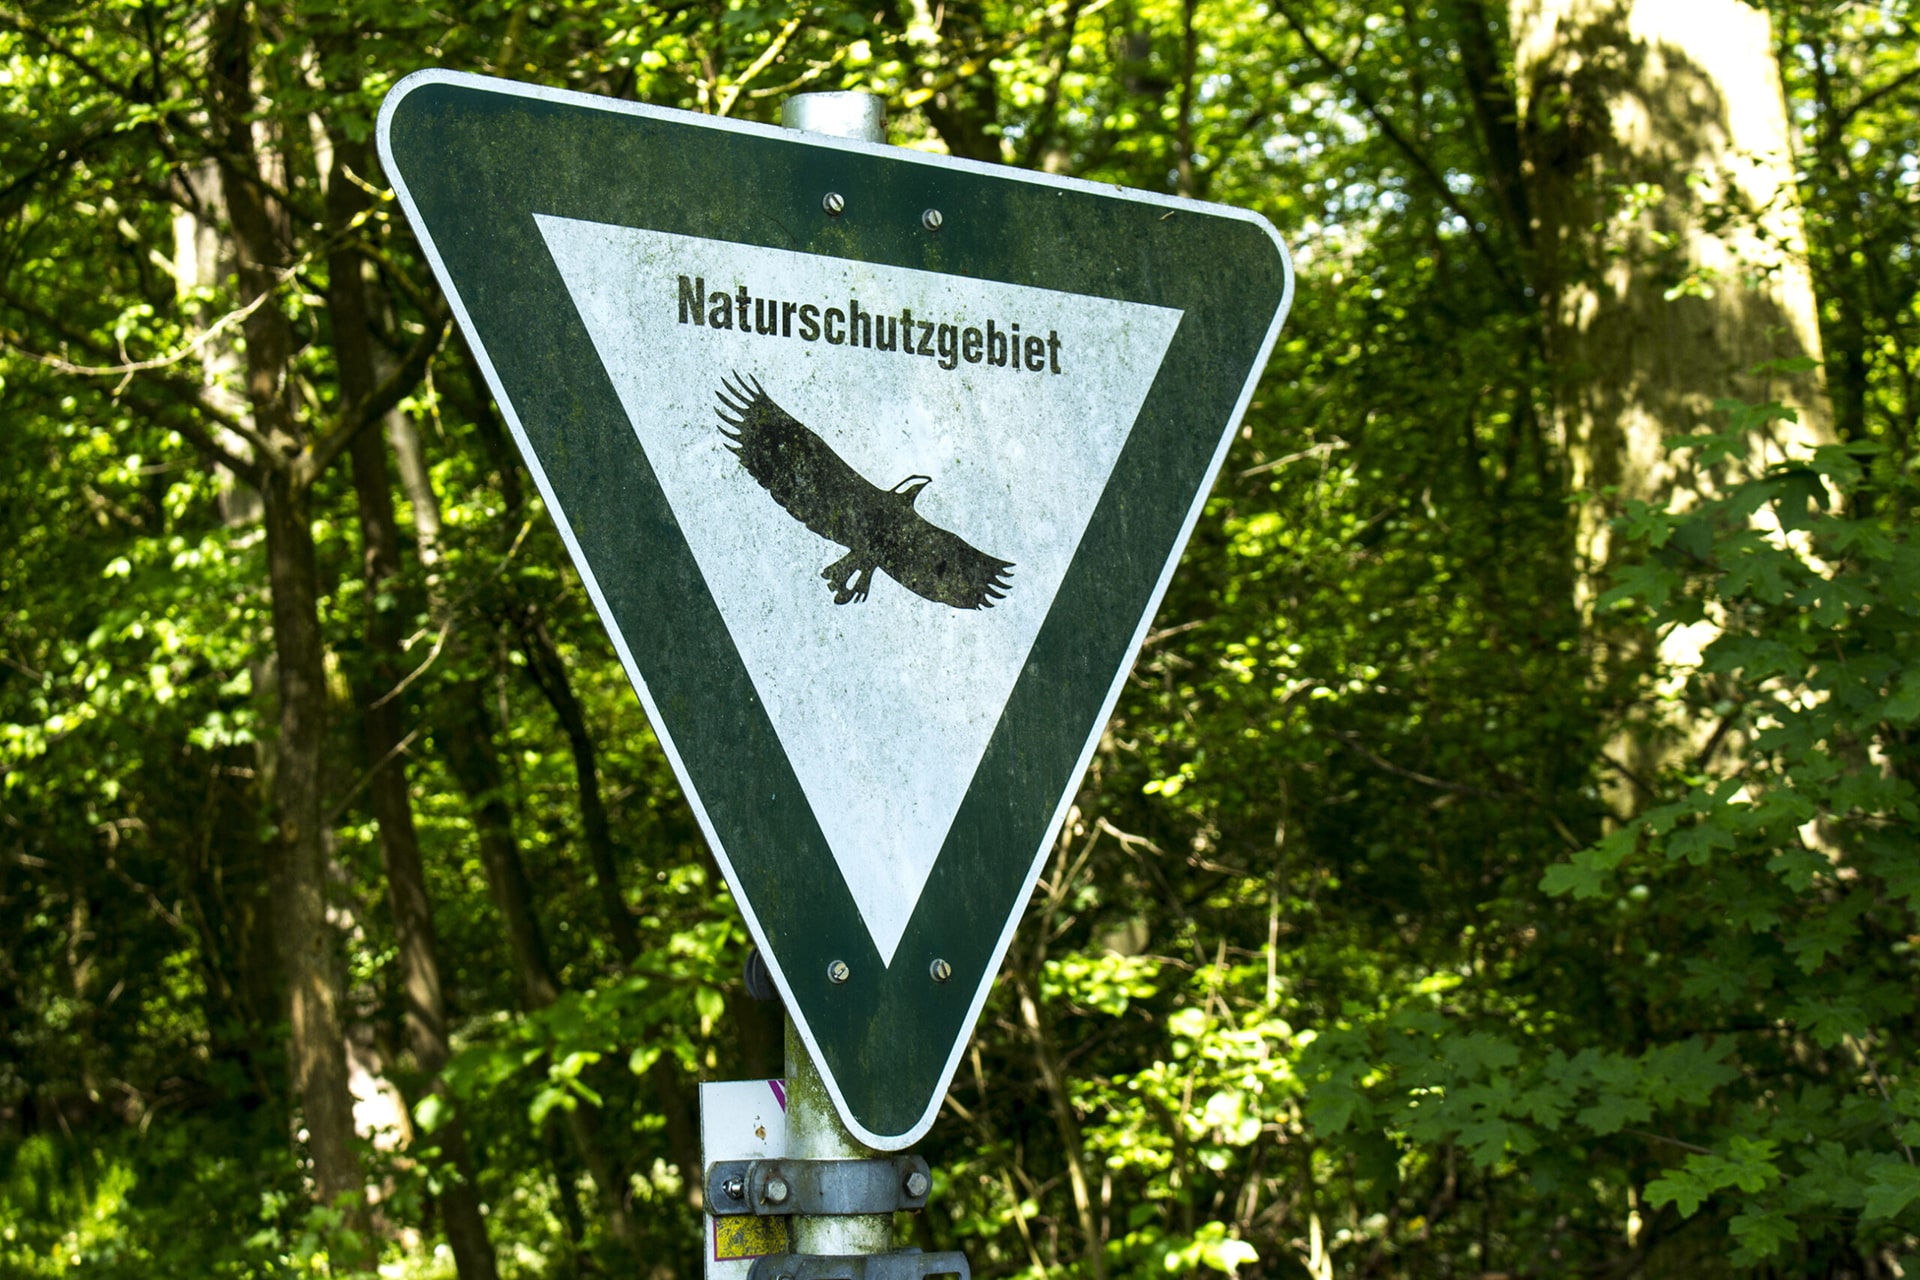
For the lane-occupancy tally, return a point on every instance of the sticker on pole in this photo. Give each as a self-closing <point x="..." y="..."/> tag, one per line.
<point x="876" y="514"/>
<point x="742" y="1120"/>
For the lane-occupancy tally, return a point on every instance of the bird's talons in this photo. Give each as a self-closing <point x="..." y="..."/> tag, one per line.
<point x="849" y="587"/>
<point x="849" y="590"/>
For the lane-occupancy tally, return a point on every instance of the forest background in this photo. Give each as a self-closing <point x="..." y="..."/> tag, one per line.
<point x="1503" y="859"/>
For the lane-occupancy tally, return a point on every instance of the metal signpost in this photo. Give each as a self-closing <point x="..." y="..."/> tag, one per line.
<point x="876" y="465"/>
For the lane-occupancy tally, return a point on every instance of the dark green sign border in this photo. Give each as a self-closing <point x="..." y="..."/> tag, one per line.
<point x="474" y="159"/>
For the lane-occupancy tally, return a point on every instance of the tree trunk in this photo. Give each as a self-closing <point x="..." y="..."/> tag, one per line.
<point x="464" y="739"/>
<point x="1640" y="117"/>
<point x="549" y="672"/>
<point x="1845" y="333"/>
<point x="965" y="108"/>
<point x="388" y="792"/>
<point x="466" y="742"/>
<point x="316" y="1028"/>
<point x="1646" y="123"/>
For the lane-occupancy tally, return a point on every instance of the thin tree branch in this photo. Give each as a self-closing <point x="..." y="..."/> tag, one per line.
<point x="1352" y="740"/>
<point x="1414" y="155"/>
<point x="356" y="418"/>
<point x="1672" y="1142"/>
<point x="393" y="753"/>
<point x="190" y="396"/>
<point x="1872" y="96"/>
<point x="157" y="362"/>
<point x="66" y="152"/>
<point x="1322" y="450"/>
<point x="775" y="46"/>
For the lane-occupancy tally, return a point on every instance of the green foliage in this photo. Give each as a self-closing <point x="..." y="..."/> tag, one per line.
<point x="1782" y="868"/>
<point x="1345" y="963"/>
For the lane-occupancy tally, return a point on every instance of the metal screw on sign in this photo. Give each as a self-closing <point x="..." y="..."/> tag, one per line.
<point x="833" y="202"/>
<point x="838" y="972"/>
<point x="940" y="970"/>
<point x="776" y="1190"/>
<point x="931" y="219"/>
<point x="917" y="1184"/>
<point x="736" y="1189"/>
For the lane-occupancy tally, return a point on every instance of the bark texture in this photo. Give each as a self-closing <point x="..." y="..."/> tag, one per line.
<point x="464" y="738"/>
<point x="382" y="720"/>
<point x="316" y="1025"/>
<point x="549" y="671"/>
<point x="1667" y="256"/>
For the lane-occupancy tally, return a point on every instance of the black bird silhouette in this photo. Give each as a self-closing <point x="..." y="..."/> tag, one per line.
<point x="878" y="527"/>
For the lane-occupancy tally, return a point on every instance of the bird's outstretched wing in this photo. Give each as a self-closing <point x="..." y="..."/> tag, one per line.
<point x="800" y="470"/>
<point x="942" y="566"/>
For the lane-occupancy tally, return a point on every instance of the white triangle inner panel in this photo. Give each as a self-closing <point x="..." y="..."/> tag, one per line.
<point x="884" y="704"/>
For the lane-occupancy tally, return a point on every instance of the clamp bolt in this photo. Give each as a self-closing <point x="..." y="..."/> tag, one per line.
<point x="776" y="1190"/>
<point x="917" y="1184"/>
<point x="735" y="1189"/>
<point x="940" y="970"/>
<point x="833" y="202"/>
<point x="931" y="219"/>
<point x="837" y="972"/>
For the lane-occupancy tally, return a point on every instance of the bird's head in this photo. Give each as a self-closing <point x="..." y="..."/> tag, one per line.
<point x="910" y="487"/>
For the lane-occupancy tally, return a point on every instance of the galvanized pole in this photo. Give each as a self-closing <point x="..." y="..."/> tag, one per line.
<point x="814" y="1130"/>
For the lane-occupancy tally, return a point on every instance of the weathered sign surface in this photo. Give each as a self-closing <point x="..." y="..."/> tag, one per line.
<point x="876" y="465"/>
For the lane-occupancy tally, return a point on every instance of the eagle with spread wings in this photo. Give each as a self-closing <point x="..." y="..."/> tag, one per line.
<point x="879" y="527"/>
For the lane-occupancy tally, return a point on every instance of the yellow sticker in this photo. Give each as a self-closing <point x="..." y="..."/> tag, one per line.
<point x="737" y="1238"/>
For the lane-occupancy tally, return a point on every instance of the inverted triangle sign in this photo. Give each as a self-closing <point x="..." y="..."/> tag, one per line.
<point x="876" y="516"/>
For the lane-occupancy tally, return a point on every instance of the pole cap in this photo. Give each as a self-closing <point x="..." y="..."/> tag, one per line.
<point x="842" y="114"/>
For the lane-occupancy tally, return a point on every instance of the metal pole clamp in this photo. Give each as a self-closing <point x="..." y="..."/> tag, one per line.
<point x="905" y="1264"/>
<point x="817" y="1188"/>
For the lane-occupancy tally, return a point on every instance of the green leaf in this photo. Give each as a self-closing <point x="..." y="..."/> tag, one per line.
<point x="546" y="1100"/>
<point x="431" y="1112"/>
<point x="1762" y="1233"/>
<point x="1894" y="1186"/>
<point x="1903" y="708"/>
<point x="1684" y="1189"/>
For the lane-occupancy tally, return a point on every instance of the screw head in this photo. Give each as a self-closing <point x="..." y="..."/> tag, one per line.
<point x="940" y="970"/>
<point x="833" y="202"/>
<point x="931" y="219"/>
<point x="776" y="1190"/>
<point x="917" y="1184"/>
<point x="837" y="971"/>
<point x="735" y="1189"/>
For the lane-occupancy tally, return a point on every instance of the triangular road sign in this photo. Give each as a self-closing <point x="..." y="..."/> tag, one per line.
<point x="876" y="504"/>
